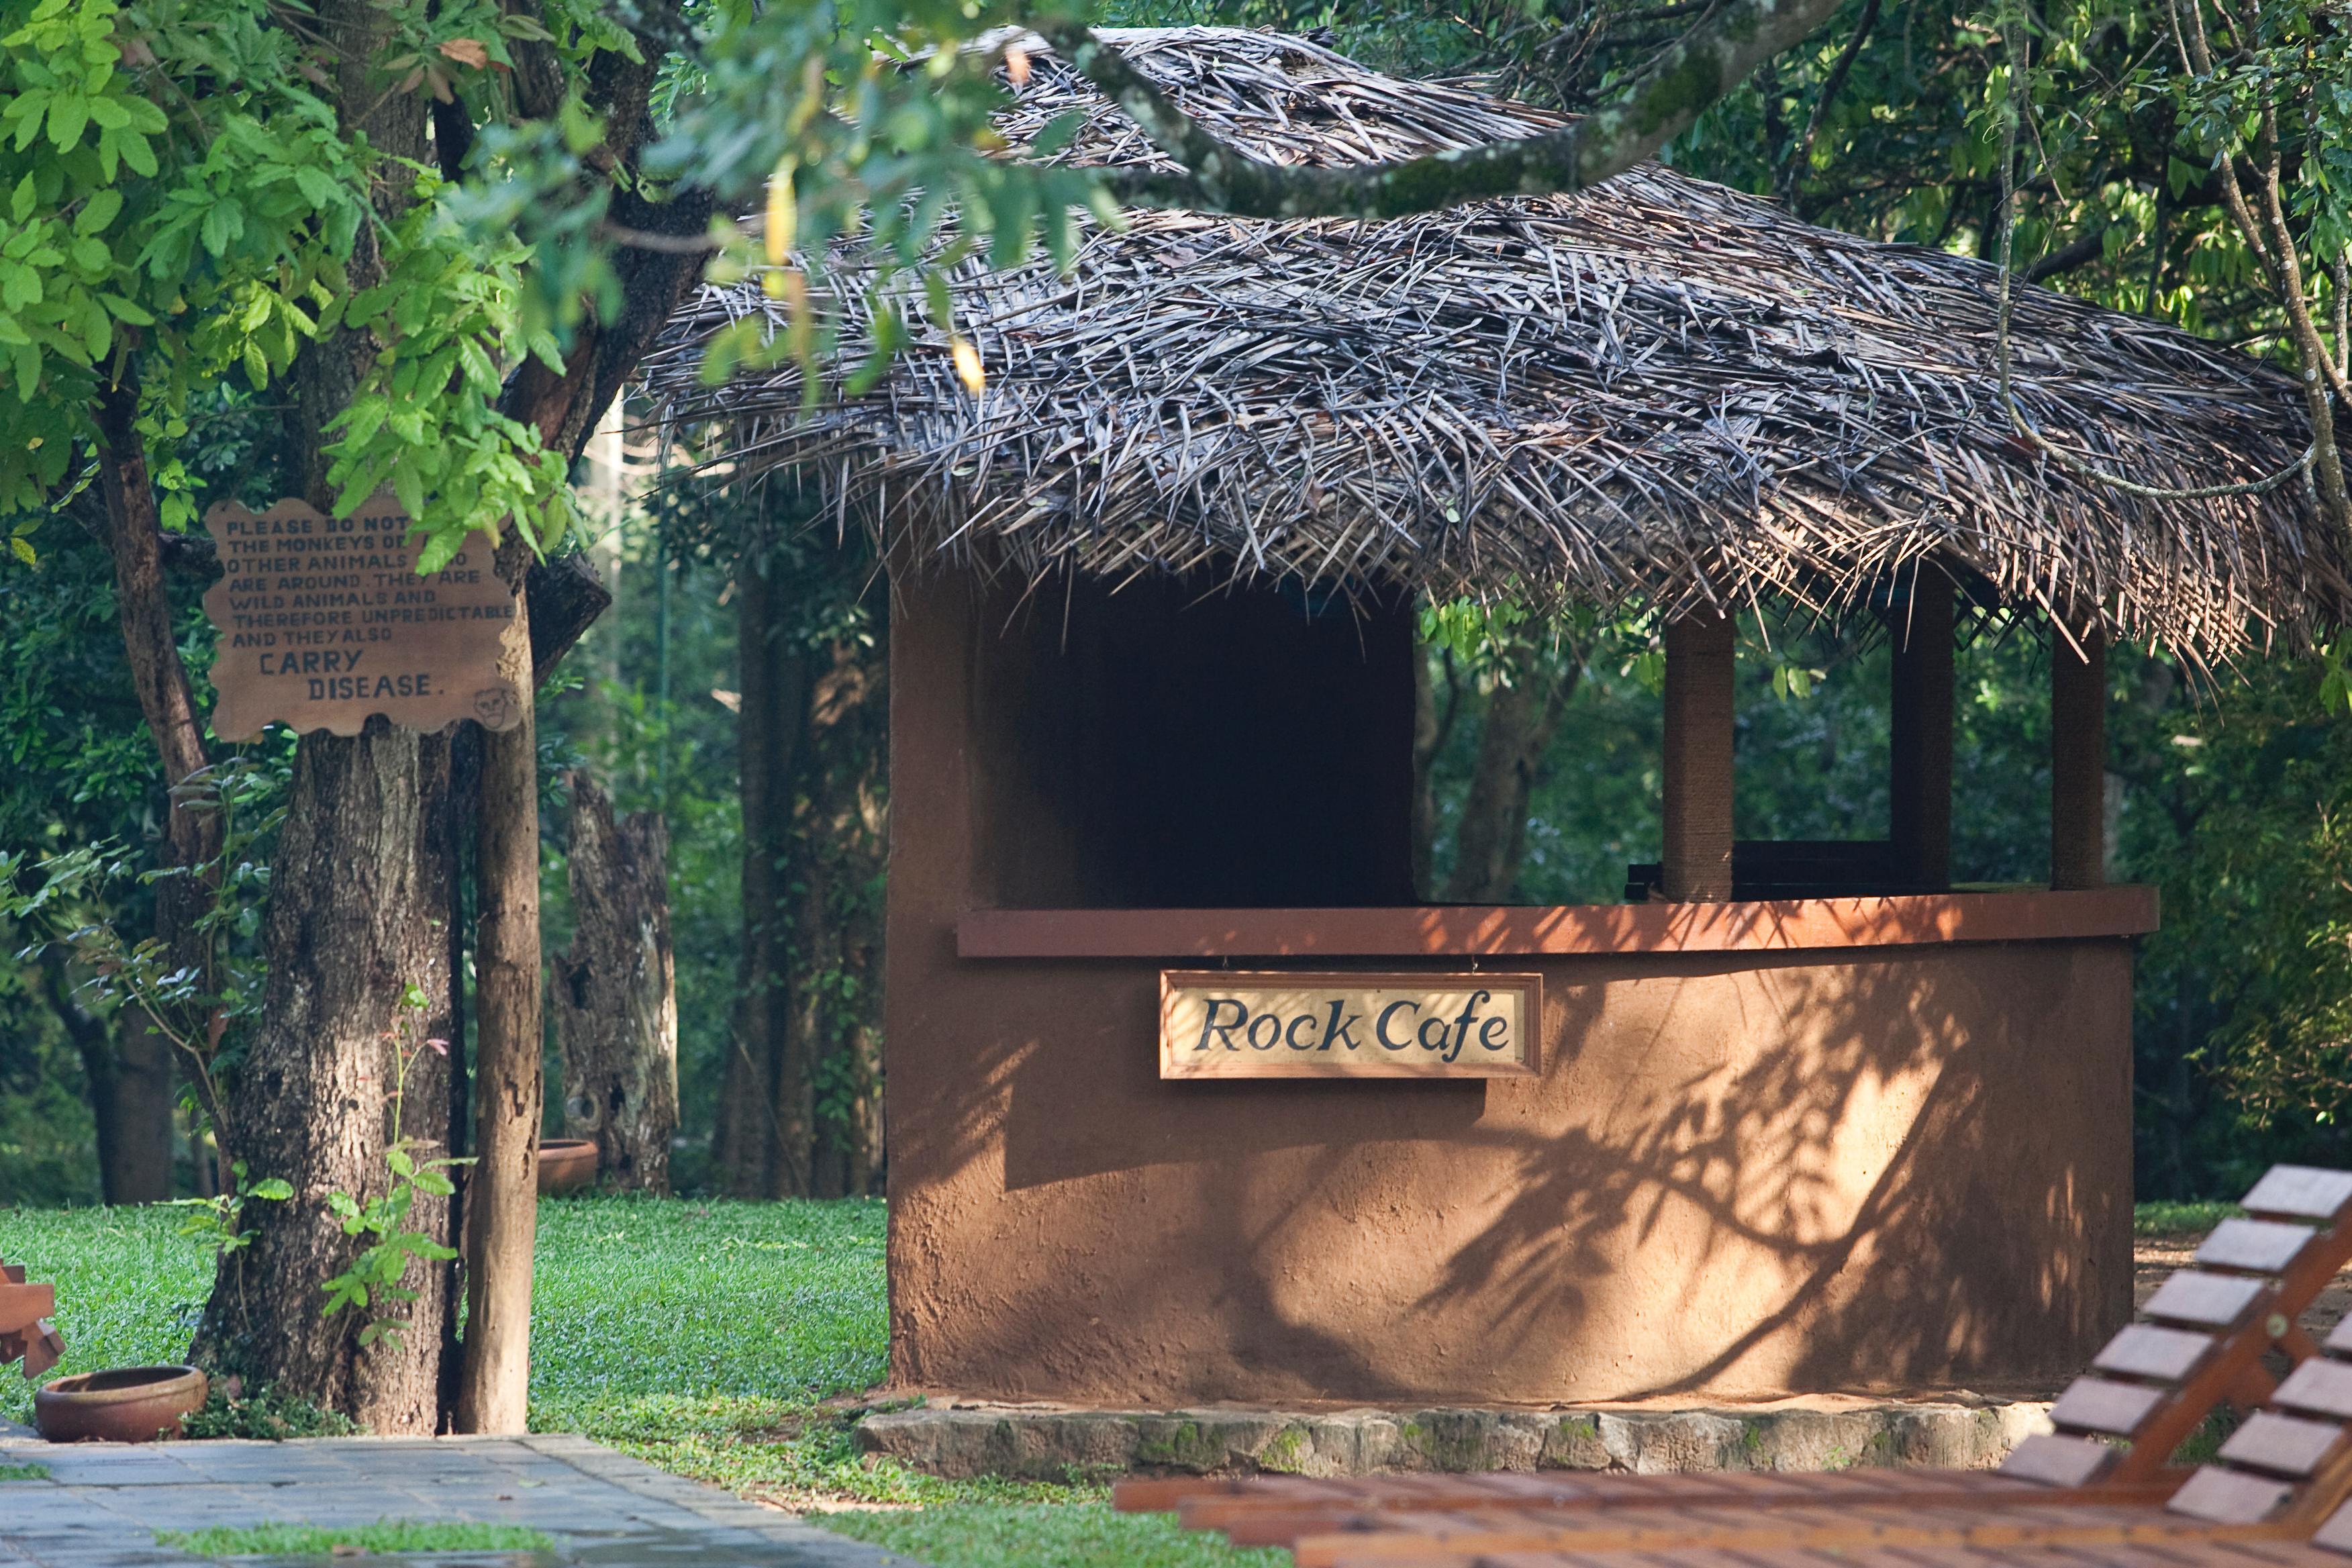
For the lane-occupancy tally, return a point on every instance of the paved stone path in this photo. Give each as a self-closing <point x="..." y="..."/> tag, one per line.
<point x="102" y="1503"/>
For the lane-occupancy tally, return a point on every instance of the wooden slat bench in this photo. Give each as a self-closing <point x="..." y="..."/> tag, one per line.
<point x="25" y="1331"/>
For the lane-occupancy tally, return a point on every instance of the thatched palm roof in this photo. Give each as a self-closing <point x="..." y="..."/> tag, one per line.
<point x="1660" y="389"/>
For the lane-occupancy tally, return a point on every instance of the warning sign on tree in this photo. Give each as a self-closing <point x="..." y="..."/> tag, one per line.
<point x="323" y="620"/>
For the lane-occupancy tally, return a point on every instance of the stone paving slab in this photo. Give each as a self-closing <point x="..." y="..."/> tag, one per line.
<point x="102" y="1503"/>
<point x="964" y="1439"/>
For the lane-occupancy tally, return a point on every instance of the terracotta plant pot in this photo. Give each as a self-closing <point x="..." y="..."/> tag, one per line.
<point x="566" y="1164"/>
<point x="125" y="1405"/>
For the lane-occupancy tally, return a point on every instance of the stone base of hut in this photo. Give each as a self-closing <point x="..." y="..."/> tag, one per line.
<point x="963" y="1439"/>
<point x="1860" y="1145"/>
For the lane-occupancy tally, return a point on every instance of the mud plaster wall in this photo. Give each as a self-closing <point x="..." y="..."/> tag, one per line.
<point x="1739" y="1175"/>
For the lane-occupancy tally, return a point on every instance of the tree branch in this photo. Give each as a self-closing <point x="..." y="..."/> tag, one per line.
<point x="1659" y="105"/>
<point x="1802" y="156"/>
<point x="2068" y="256"/>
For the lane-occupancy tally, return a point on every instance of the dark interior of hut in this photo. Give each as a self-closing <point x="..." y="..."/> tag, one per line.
<point x="1170" y="743"/>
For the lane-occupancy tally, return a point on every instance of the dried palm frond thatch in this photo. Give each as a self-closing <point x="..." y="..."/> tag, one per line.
<point x="1658" y="389"/>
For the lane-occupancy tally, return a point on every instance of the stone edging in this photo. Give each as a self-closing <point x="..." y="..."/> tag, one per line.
<point x="1051" y="1443"/>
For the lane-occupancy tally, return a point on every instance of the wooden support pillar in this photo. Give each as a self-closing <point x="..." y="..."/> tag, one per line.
<point x="2078" y="759"/>
<point x="1920" y="808"/>
<point x="1699" y="713"/>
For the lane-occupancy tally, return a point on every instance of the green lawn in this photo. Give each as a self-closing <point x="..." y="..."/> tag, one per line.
<point x="730" y="1342"/>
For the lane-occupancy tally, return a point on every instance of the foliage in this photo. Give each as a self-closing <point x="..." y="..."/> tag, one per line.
<point x="70" y="905"/>
<point x="264" y="1415"/>
<point x="218" y="1221"/>
<point x="2178" y="1219"/>
<point x="373" y="1276"/>
<point x="23" y="1472"/>
<point x="176" y="245"/>
<point x="386" y="1535"/>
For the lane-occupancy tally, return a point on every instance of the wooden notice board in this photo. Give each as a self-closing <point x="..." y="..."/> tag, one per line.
<point x="323" y="621"/>
<point x="1222" y="1024"/>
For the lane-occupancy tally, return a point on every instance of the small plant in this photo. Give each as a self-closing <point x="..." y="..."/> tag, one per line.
<point x="217" y="1221"/>
<point x="265" y="1414"/>
<point x="373" y="1276"/>
<point x="23" y="1472"/>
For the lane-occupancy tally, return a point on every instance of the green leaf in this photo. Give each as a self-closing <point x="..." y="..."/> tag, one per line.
<point x="68" y="114"/>
<point x="438" y="550"/>
<point x="317" y="187"/>
<point x="276" y="1188"/>
<point x="97" y="212"/>
<point x="24" y="552"/>
<point x="224" y="222"/>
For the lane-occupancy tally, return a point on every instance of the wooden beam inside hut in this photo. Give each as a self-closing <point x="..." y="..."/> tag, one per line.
<point x="1920" y="805"/>
<point x="2078" y="759"/>
<point x="1698" y="774"/>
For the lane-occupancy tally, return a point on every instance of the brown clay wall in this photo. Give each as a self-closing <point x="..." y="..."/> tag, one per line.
<point x="1741" y="1173"/>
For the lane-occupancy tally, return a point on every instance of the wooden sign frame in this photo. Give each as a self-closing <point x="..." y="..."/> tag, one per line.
<point x="1346" y="1023"/>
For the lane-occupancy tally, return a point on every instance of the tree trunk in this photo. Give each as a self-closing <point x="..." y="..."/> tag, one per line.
<point x="130" y="1077"/>
<point x="132" y="1091"/>
<point x="761" y="1146"/>
<point x="837" y="848"/>
<point x="357" y="891"/>
<point x="616" y="992"/>
<point x="1514" y="734"/>
<point x="502" y="1188"/>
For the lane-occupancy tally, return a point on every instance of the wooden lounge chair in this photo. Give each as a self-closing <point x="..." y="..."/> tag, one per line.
<point x="2200" y="1343"/>
<point x="2282" y="1478"/>
<point x="25" y="1331"/>
<point x="2277" y="1477"/>
<point x="2328" y="1547"/>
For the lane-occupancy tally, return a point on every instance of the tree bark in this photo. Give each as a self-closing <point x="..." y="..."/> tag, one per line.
<point x="502" y="1188"/>
<point x="358" y="888"/>
<point x="762" y="1139"/>
<point x="132" y="1092"/>
<point x="616" y="992"/>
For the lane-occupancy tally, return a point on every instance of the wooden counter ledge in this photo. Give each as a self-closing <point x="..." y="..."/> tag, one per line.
<point x="1909" y="920"/>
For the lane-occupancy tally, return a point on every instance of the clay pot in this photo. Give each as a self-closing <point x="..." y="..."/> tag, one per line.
<point x="125" y="1405"/>
<point x="566" y="1164"/>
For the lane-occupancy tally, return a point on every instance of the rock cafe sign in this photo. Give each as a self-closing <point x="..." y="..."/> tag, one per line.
<point x="1220" y="1023"/>
<point x="323" y="621"/>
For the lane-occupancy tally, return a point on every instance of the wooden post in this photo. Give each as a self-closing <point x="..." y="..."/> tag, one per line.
<point x="2078" y="759"/>
<point x="502" y="1191"/>
<point x="1919" y="819"/>
<point x="1699" y="712"/>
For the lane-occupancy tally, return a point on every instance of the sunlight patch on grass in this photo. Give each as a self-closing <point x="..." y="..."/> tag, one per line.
<point x="384" y="1535"/>
<point x="1084" y="1535"/>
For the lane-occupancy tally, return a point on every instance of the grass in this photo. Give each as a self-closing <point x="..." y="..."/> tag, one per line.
<point x="2181" y="1219"/>
<point x="1044" y="1535"/>
<point x="23" y="1472"/>
<point x="730" y="1342"/>
<point x="384" y="1535"/>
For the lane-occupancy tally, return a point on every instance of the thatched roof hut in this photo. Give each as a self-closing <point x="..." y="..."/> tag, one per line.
<point x="1658" y="390"/>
